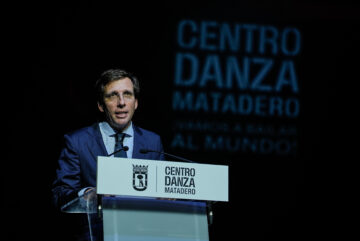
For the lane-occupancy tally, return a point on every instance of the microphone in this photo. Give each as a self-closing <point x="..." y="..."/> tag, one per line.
<point x="144" y="151"/>
<point x="125" y="148"/>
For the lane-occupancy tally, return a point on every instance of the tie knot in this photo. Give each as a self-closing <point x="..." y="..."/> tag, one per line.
<point x="119" y="137"/>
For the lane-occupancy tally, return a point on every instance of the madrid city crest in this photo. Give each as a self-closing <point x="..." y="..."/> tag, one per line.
<point x="140" y="177"/>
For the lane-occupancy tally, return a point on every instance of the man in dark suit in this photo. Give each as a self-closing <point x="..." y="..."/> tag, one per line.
<point x="117" y="95"/>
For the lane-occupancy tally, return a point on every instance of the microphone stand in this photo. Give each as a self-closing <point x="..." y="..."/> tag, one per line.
<point x="125" y="148"/>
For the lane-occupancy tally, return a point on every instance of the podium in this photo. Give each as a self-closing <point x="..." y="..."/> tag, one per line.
<point x="149" y="200"/>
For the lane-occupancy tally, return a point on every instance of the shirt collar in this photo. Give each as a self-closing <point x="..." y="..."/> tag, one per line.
<point x="109" y="131"/>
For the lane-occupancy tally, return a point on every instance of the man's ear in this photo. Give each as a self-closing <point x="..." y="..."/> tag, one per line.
<point x="101" y="107"/>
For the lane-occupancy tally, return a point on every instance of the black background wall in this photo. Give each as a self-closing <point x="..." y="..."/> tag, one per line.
<point x="284" y="194"/>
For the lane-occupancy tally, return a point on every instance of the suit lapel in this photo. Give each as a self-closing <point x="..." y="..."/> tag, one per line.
<point x="138" y="143"/>
<point x="98" y="148"/>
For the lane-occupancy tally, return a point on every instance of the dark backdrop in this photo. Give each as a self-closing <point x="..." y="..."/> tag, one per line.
<point x="273" y="195"/>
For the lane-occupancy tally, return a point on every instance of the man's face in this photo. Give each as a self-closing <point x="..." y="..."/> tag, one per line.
<point x="119" y="103"/>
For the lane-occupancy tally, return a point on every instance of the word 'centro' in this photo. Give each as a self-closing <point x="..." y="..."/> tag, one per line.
<point x="180" y="171"/>
<point x="236" y="37"/>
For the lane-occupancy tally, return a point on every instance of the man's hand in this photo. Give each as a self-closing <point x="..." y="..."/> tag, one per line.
<point x="90" y="193"/>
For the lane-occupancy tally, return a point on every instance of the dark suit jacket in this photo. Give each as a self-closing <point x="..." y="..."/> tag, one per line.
<point x="77" y="162"/>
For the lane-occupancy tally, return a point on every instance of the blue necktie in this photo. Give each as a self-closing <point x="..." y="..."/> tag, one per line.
<point x="119" y="138"/>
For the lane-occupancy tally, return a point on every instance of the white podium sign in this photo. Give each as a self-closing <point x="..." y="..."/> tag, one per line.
<point x="162" y="179"/>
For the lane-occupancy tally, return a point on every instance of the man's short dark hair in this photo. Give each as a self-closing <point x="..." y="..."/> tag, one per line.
<point x="111" y="75"/>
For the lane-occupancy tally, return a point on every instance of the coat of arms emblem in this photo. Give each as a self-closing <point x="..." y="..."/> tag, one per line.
<point x="140" y="177"/>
